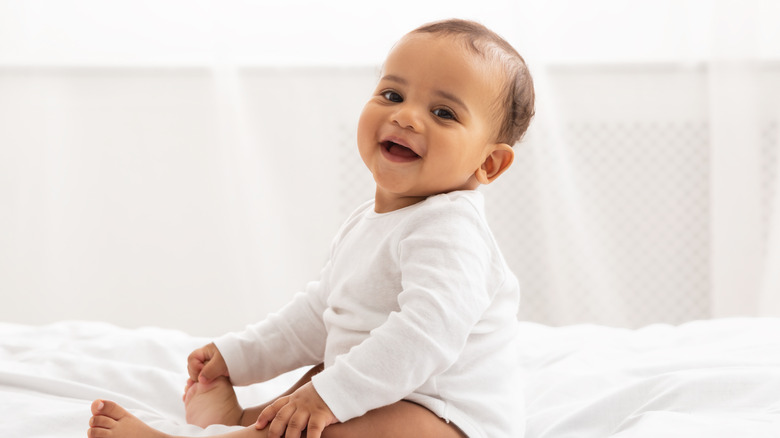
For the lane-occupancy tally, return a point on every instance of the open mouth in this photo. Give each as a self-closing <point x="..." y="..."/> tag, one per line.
<point x="399" y="151"/>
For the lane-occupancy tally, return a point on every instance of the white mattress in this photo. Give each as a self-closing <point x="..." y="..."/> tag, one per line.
<point x="717" y="378"/>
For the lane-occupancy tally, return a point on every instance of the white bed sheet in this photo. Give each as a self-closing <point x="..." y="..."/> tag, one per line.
<point x="713" y="379"/>
<point x="49" y="376"/>
<point x="716" y="378"/>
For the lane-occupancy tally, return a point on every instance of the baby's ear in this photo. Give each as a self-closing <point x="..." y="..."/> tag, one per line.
<point x="495" y="163"/>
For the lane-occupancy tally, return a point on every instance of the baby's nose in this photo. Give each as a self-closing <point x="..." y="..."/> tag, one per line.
<point x="407" y="117"/>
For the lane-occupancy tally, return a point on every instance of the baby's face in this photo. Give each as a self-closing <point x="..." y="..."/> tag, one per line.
<point x="431" y="121"/>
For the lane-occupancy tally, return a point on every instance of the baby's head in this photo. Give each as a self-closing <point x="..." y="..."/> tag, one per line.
<point x="515" y="104"/>
<point x="452" y="100"/>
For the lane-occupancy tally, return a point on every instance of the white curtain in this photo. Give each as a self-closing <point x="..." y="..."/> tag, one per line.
<point x="156" y="165"/>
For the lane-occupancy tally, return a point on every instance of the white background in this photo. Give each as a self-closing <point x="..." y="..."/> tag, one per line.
<point x="185" y="163"/>
<point x="309" y="32"/>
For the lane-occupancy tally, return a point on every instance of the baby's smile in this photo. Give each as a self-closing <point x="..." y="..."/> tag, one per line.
<point x="398" y="152"/>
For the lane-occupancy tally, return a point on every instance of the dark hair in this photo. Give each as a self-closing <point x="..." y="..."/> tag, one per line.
<point x="517" y="107"/>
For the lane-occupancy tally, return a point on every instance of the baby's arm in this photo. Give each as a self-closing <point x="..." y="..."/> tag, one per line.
<point x="292" y="338"/>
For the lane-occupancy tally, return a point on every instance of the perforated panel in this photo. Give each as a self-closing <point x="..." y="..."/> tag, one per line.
<point x="622" y="237"/>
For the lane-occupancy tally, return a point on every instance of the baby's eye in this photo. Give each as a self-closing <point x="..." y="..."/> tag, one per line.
<point x="443" y="113"/>
<point x="392" y="96"/>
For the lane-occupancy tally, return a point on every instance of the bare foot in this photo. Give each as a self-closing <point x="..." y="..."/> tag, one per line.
<point x="212" y="403"/>
<point x="111" y="420"/>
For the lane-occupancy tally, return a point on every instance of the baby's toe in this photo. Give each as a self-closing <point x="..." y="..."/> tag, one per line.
<point x="99" y="432"/>
<point x="109" y="409"/>
<point x="102" y="421"/>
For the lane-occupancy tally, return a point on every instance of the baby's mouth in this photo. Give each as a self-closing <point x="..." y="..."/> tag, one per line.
<point x="399" y="151"/>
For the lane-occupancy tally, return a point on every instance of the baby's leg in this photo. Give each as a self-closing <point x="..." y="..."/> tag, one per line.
<point x="399" y="419"/>
<point x="109" y="420"/>
<point x="212" y="403"/>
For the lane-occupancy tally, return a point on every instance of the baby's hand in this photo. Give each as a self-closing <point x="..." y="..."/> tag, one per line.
<point x="303" y="409"/>
<point x="206" y="364"/>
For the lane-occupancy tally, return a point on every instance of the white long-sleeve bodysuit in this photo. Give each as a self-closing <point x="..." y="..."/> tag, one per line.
<point x="415" y="304"/>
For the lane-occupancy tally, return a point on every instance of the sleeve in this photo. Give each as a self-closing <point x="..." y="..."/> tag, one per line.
<point x="284" y="341"/>
<point x="444" y="262"/>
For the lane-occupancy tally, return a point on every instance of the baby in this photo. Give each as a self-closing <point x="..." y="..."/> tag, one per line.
<point x="410" y="327"/>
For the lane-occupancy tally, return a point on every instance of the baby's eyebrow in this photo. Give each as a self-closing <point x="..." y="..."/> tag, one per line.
<point x="394" y="78"/>
<point x="453" y="98"/>
<point x="441" y="93"/>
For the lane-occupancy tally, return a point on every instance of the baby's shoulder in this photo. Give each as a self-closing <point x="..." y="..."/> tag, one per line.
<point x="461" y="205"/>
<point x="449" y="216"/>
<point x="353" y="219"/>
